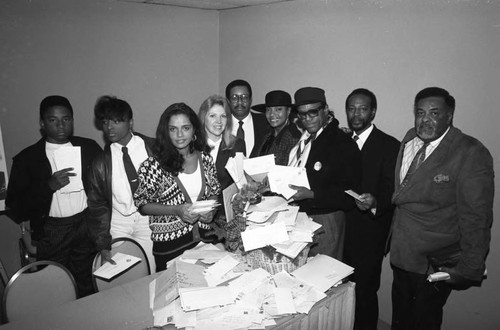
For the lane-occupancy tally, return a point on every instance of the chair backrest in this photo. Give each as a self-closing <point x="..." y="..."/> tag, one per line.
<point x="36" y="287"/>
<point x="128" y="246"/>
<point x="3" y="275"/>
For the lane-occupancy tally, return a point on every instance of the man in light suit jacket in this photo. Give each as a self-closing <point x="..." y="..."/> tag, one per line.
<point x="248" y="126"/>
<point x="367" y="225"/>
<point x="443" y="198"/>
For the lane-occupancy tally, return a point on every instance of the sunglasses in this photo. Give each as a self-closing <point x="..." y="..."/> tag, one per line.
<point x="313" y="113"/>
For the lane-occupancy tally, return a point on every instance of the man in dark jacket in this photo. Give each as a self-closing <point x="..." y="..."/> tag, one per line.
<point x="52" y="196"/>
<point x="112" y="210"/>
<point x="333" y="164"/>
<point x="367" y="225"/>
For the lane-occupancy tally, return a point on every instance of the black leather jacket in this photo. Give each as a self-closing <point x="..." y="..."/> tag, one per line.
<point x="100" y="196"/>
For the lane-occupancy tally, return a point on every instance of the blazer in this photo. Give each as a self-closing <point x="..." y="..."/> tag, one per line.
<point x="100" y="195"/>
<point x="223" y="155"/>
<point x="333" y="166"/>
<point x="260" y="128"/>
<point x="449" y="199"/>
<point x="282" y="144"/>
<point x="378" y="160"/>
<point x="29" y="195"/>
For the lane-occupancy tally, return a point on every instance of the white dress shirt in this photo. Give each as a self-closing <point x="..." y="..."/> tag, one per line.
<point x="123" y="202"/>
<point x="363" y="136"/>
<point x="411" y="149"/>
<point x="248" y="129"/>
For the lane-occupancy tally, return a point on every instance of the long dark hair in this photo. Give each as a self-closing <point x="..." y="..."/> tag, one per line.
<point x="166" y="153"/>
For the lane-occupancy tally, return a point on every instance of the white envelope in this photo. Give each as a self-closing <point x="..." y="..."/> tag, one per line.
<point x="66" y="157"/>
<point x="281" y="176"/>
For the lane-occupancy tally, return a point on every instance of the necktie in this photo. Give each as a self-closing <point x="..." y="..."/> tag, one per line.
<point x="240" y="133"/>
<point x="303" y="144"/>
<point x="415" y="163"/>
<point x="357" y="140"/>
<point x="130" y="170"/>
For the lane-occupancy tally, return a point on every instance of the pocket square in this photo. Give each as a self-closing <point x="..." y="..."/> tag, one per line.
<point x="441" y="178"/>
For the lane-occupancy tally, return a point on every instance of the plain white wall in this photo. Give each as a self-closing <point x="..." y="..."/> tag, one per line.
<point x="394" y="48"/>
<point x="151" y="56"/>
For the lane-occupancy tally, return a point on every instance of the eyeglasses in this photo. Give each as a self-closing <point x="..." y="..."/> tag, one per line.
<point x="242" y="98"/>
<point x="313" y="113"/>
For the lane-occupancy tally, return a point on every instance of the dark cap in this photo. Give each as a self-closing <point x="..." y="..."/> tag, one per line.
<point x="309" y="95"/>
<point x="274" y="99"/>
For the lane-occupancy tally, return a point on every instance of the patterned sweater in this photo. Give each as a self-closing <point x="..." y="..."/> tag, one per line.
<point x="159" y="186"/>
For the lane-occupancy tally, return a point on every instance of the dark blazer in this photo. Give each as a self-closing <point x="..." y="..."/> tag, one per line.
<point x="378" y="160"/>
<point x="449" y="199"/>
<point x="29" y="195"/>
<point x="100" y="195"/>
<point x="333" y="166"/>
<point x="223" y="155"/>
<point x="260" y="128"/>
<point x="282" y="143"/>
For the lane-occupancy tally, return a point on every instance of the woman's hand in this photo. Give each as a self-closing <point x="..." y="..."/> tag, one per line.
<point x="208" y="217"/>
<point x="185" y="213"/>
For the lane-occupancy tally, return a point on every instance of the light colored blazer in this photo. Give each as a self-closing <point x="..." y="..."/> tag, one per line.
<point x="449" y="199"/>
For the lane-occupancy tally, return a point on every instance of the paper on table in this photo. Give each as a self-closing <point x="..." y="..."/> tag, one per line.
<point x="234" y="166"/>
<point x="123" y="262"/>
<point x="262" y="236"/>
<point x="258" y="167"/>
<point x="284" y="301"/>
<point x="288" y="216"/>
<point x="276" y="203"/>
<point x="203" y="297"/>
<point x="290" y="248"/>
<point x="303" y="222"/>
<point x="281" y="176"/>
<point x="66" y="157"/>
<point x="323" y="272"/>
<point x="248" y="282"/>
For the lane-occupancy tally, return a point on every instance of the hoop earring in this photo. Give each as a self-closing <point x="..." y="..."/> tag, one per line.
<point x="194" y="137"/>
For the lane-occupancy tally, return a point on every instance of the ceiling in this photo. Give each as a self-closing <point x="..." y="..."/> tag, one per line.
<point x="208" y="4"/>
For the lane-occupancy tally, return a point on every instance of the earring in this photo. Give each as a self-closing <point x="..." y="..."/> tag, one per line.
<point x="194" y="137"/>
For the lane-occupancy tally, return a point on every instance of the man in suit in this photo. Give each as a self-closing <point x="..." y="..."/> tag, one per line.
<point x="333" y="164"/>
<point x="40" y="191"/>
<point x="367" y="225"/>
<point x="248" y="126"/>
<point x="443" y="194"/>
<point x="113" y="213"/>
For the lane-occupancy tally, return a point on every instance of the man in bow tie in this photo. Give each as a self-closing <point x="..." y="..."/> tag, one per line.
<point x="444" y="205"/>
<point x="333" y="164"/>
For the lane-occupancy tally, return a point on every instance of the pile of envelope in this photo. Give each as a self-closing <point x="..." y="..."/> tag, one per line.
<point x="229" y="294"/>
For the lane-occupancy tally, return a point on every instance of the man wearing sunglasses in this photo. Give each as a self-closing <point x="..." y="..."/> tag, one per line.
<point x="333" y="164"/>
<point x="248" y="126"/>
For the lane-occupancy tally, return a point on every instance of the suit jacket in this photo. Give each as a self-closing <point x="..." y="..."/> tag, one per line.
<point x="282" y="144"/>
<point x="333" y="166"/>
<point x="100" y="195"/>
<point x="29" y="195"/>
<point x="449" y="199"/>
<point x="260" y="128"/>
<point x="379" y="154"/>
<point x="223" y="155"/>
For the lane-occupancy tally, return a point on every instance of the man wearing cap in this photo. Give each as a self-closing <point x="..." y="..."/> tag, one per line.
<point x="40" y="191"/>
<point x="248" y="126"/>
<point x="283" y="135"/>
<point x="333" y="164"/>
<point x="370" y="220"/>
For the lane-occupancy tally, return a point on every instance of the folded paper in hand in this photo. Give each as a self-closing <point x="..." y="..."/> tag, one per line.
<point x="281" y="176"/>
<point x="123" y="262"/>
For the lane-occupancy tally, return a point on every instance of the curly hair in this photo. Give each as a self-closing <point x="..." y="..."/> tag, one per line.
<point x="166" y="153"/>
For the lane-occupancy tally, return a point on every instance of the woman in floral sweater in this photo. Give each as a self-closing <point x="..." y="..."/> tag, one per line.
<point x="181" y="171"/>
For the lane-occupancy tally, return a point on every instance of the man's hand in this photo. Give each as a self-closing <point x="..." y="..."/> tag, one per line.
<point x="185" y="213"/>
<point x="457" y="281"/>
<point x="106" y="257"/>
<point x="368" y="202"/>
<point x="302" y="193"/>
<point x="60" y="178"/>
